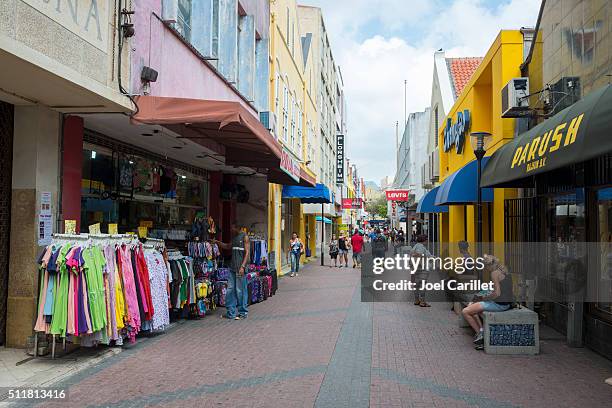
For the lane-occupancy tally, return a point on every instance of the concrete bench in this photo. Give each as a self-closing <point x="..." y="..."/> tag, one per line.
<point x="515" y="331"/>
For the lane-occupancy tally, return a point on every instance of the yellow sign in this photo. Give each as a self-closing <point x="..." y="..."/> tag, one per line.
<point x="112" y="229"/>
<point x="70" y="227"/>
<point x="142" y="232"/>
<point x="94" y="228"/>
<point x="148" y="224"/>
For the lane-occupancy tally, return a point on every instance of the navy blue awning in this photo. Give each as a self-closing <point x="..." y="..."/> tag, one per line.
<point x="427" y="203"/>
<point x="461" y="187"/>
<point x="309" y="195"/>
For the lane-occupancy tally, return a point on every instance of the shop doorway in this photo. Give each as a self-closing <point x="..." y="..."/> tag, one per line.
<point x="7" y="112"/>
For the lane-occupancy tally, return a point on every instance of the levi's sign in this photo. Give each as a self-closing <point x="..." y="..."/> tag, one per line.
<point x="290" y="166"/>
<point x="454" y="133"/>
<point x="397" y="195"/>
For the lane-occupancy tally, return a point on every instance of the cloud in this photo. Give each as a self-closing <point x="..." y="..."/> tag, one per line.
<point x="379" y="44"/>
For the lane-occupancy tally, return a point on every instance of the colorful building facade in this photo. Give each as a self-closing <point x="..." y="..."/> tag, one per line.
<point x="477" y="108"/>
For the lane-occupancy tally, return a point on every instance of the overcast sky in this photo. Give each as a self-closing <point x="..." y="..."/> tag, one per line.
<point x="379" y="44"/>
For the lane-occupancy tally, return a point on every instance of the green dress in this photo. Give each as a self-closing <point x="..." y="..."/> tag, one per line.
<point x="94" y="268"/>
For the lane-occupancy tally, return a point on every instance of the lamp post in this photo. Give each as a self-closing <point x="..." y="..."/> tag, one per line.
<point x="479" y="144"/>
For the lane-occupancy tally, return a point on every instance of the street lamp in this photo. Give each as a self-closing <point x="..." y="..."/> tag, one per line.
<point x="479" y="141"/>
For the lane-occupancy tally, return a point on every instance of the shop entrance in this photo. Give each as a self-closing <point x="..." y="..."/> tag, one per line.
<point x="6" y="167"/>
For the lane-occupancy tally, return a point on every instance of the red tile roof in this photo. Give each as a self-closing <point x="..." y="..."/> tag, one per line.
<point x="461" y="70"/>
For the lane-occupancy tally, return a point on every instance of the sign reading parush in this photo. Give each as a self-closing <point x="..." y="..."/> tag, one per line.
<point x="534" y="153"/>
<point x="454" y="133"/>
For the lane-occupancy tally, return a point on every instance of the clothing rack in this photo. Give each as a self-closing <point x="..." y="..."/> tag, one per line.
<point x="121" y="238"/>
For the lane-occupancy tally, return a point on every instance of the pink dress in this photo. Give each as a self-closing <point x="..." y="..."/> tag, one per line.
<point x="129" y="287"/>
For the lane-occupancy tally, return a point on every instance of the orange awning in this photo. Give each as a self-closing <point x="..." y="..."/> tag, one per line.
<point x="245" y="141"/>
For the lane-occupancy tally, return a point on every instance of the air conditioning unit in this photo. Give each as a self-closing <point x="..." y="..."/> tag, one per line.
<point x="268" y="119"/>
<point x="515" y="101"/>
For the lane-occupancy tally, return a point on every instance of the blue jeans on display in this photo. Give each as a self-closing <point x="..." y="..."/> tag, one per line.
<point x="237" y="296"/>
<point x="295" y="261"/>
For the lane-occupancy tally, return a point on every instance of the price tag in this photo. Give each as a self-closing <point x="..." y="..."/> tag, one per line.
<point x="112" y="229"/>
<point x="94" y="228"/>
<point x="142" y="232"/>
<point x="70" y="227"/>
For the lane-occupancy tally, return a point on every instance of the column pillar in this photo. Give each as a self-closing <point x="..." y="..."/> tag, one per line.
<point x="36" y="164"/>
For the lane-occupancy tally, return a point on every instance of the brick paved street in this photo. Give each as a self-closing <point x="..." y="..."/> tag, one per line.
<point x="315" y="344"/>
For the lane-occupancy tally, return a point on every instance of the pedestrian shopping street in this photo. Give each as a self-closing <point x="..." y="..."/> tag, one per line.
<point x="315" y="344"/>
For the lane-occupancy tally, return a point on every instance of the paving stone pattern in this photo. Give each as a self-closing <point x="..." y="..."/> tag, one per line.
<point x="315" y="344"/>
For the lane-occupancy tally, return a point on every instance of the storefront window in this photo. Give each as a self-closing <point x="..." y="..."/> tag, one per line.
<point x="566" y="229"/>
<point x="604" y="231"/>
<point x="133" y="191"/>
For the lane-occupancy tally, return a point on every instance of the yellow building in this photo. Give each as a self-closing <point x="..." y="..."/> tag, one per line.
<point x="477" y="109"/>
<point x="295" y="114"/>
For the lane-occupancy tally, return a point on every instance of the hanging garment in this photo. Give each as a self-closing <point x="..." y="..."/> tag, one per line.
<point x="159" y="294"/>
<point x="133" y="316"/>
<point x="60" y="305"/>
<point x="111" y="292"/>
<point x="93" y="268"/>
<point x="143" y="272"/>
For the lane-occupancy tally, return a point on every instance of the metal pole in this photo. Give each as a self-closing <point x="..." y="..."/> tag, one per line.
<point x="322" y="232"/>
<point x="479" y="209"/>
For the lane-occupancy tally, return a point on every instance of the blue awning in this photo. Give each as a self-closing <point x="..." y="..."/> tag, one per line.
<point x="325" y="219"/>
<point x="427" y="203"/>
<point x="309" y="195"/>
<point x="461" y="186"/>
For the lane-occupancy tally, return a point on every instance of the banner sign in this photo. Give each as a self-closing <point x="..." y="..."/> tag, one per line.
<point x="289" y="165"/>
<point x="397" y="195"/>
<point x="340" y="159"/>
<point x="352" y="203"/>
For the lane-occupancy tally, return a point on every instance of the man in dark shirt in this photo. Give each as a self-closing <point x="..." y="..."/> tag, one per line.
<point x="237" y="292"/>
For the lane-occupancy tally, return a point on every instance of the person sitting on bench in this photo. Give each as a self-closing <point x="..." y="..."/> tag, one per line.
<point x="499" y="300"/>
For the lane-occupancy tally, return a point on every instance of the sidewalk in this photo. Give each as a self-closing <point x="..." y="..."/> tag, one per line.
<point x="315" y="344"/>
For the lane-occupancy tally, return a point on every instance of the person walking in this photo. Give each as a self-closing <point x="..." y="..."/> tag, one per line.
<point x="236" y="298"/>
<point x="343" y="247"/>
<point x="380" y="244"/>
<point x="357" y="245"/>
<point x="420" y="276"/>
<point x="296" y="249"/>
<point x="333" y="250"/>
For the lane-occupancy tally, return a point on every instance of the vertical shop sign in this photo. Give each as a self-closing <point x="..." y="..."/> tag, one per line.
<point x="45" y="222"/>
<point x="340" y="159"/>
